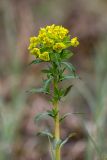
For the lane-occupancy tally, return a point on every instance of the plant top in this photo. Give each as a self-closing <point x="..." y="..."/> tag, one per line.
<point x="50" y="40"/>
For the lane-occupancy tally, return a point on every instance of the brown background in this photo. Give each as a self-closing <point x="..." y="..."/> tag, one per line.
<point x="20" y="19"/>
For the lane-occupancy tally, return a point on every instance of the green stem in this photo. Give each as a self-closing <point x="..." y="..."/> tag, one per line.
<point x="57" y="134"/>
<point x="57" y="129"/>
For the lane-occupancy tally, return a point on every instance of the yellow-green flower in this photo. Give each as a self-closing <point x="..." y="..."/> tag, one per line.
<point x="33" y="39"/>
<point x="31" y="46"/>
<point x="51" y="39"/>
<point x="44" y="56"/>
<point x="74" y="42"/>
<point x="48" y="42"/>
<point x="59" y="46"/>
<point x="35" y="51"/>
<point x="53" y="32"/>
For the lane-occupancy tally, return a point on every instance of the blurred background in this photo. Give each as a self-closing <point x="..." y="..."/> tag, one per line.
<point x="20" y="19"/>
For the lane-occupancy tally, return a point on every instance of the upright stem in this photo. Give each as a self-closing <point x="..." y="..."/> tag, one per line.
<point x="57" y="129"/>
<point x="57" y="133"/>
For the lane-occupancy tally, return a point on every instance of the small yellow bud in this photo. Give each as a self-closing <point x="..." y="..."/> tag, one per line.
<point x="35" y="51"/>
<point x="74" y="42"/>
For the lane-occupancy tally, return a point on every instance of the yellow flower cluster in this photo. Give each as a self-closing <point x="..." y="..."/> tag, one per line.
<point x="53" y="33"/>
<point x="51" y="38"/>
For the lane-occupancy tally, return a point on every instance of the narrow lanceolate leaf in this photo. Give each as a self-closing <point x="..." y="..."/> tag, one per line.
<point x="47" y="84"/>
<point x="36" y="61"/>
<point x="45" y="70"/>
<point x="50" y="113"/>
<point x="69" y="66"/>
<point x="69" y="114"/>
<point x="41" y="116"/>
<point x="45" y="133"/>
<point x="36" y="90"/>
<point x="66" y="140"/>
<point x="67" y="90"/>
<point x="64" y="116"/>
<point x="65" y="77"/>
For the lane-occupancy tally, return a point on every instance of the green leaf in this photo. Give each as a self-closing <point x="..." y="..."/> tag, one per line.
<point x="69" y="66"/>
<point x="66" y="140"/>
<point x="68" y="114"/>
<point x="46" y="84"/>
<point x="36" y="61"/>
<point x="65" y="77"/>
<point x="36" y="90"/>
<point x="66" y="54"/>
<point x="45" y="88"/>
<point x="64" y="116"/>
<point x="67" y="90"/>
<point x="45" y="133"/>
<point x="53" y="113"/>
<point x="55" y="58"/>
<point x="41" y="116"/>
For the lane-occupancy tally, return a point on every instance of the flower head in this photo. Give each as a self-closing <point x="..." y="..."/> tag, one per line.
<point x="51" y="39"/>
